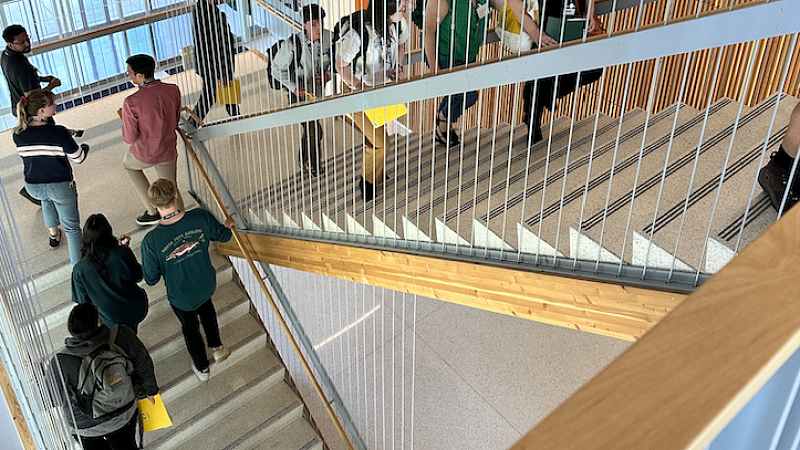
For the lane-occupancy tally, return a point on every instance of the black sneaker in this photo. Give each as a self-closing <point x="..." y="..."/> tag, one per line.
<point x="55" y="240"/>
<point x="367" y="190"/>
<point x="148" y="219"/>
<point x="773" y="179"/>
<point x="24" y="192"/>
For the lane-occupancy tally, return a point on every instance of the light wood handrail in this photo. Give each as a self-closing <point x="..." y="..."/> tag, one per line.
<point x="17" y="416"/>
<point x="246" y="252"/>
<point x="684" y="381"/>
<point x="610" y="309"/>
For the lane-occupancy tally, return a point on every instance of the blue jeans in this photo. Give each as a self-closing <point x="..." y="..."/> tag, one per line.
<point x="60" y="206"/>
<point x="452" y="106"/>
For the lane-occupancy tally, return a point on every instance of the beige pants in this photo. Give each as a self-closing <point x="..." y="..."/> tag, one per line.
<point x="135" y="169"/>
<point x="374" y="147"/>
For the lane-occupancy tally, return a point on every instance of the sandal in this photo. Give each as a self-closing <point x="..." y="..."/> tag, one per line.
<point x="448" y="138"/>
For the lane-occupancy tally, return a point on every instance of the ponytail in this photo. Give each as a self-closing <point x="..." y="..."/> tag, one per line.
<point x="29" y="106"/>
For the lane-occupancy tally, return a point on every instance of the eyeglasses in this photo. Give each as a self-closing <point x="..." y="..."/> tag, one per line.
<point x="27" y="40"/>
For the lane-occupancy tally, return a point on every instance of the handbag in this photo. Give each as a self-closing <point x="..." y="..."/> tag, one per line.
<point x="230" y="93"/>
<point x="573" y="29"/>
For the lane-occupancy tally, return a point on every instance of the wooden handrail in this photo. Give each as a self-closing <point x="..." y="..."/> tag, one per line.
<point x="686" y="379"/>
<point x="246" y="252"/>
<point x="610" y="309"/>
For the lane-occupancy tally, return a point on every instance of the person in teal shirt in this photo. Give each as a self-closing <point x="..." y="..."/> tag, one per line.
<point x="454" y="31"/>
<point x="107" y="275"/>
<point x="177" y="249"/>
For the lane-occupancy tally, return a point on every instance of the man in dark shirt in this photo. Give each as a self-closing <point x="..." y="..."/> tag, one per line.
<point x="21" y="76"/>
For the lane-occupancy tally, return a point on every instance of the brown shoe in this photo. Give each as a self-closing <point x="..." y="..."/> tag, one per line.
<point x="24" y="192"/>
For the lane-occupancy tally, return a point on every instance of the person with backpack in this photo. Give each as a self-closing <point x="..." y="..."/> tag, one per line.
<point x="102" y="369"/>
<point x="301" y="65"/>
<point x="107" y="275"/>
<point x="370" y="46"/>
<point x="454" y="31"/>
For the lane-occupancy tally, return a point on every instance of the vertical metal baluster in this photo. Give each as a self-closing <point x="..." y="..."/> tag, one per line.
<point x="566" y="165"/>
<point x="638" y="166"/>
<point x="699" y="145"/>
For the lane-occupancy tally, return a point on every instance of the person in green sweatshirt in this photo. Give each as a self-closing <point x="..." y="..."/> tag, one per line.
<point x="107" y="275"/>
<point x="177" y="249"/>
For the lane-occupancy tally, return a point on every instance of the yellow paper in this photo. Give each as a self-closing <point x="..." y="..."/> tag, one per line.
<point x="229" y="94"/>
<point x="381" y="116"/>
<point x="154" y="417"/>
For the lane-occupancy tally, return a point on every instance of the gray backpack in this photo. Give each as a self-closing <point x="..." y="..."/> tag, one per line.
<point x="105" y="379"/>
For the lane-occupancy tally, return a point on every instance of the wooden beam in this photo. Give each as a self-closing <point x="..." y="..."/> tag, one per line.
<point x="16" y="411"/>
<point x="681" y="384"/>
<point x="616" y="310"/>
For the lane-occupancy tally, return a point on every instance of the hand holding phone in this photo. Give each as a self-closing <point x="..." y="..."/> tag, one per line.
<point x="78" y="133"/>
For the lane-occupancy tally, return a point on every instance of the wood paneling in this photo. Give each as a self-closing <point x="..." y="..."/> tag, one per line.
<point x="688" y="377"/>
<point x="615" y="310"/>
<point x="16" y="412"/>
<point x="636" y="80"/>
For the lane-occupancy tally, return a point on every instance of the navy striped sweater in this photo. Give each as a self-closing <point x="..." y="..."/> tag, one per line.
<point x="46" y="151"/>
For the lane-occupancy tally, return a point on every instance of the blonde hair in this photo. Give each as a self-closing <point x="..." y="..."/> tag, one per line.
<point x="29" y="106"/>
<point x="162" y="192"/>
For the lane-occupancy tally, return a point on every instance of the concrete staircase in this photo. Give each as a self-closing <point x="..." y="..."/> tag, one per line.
<point x="607" y="189"/>
<point x="246" y="404"/>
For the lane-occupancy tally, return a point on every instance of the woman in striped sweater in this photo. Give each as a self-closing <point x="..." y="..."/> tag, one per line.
<point x="46" y="150"/>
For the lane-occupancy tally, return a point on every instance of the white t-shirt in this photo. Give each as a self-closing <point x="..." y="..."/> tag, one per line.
<point x="379" y="57"/>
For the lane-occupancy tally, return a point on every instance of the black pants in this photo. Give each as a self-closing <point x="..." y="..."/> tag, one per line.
<point x="122" y="439"/>
<point x="311" y="140"/>
<point x="191" y="331"/>
<point x="548" y="88"/>
<point x="209" y="97"/>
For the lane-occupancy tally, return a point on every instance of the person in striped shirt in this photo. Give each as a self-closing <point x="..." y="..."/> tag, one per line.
<point x="46" y="150"/>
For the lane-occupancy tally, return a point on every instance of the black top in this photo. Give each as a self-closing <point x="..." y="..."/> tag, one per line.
<point x="214" y="42"/>
<point x="20" y="74"/>
<point x="555" y="8"/>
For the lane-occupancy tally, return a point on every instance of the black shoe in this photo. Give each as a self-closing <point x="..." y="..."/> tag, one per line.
<point x="773" y="179"/>
<point x="148" y="219"/>
<point x="446" y="138"/>
<point x="367" y="190"/>
<point x="55" y="240"/>
<point x="24" y="192"/>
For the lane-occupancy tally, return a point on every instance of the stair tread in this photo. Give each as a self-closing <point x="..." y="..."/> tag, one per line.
<point x="297" y="435"/>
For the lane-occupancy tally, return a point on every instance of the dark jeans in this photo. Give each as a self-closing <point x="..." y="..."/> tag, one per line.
<point x="546" y="88"/>
<point x="122" y="439"/>
<point x="311" y="141"/>
<point x="209" y="97"/>
<point x="191" y="331"/>
<point x="454" y="105"/>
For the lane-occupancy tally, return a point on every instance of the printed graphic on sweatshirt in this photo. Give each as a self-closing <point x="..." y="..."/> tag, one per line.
<point x="185" y="244"/>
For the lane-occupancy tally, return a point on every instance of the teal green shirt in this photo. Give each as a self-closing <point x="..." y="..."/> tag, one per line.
<point x="468" y="30"/>
<point x="179" y="253"/>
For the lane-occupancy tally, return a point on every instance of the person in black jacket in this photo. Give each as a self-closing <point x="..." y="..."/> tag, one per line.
<point x="107" y="275"/>
<point x="215" y="46"/>
<point x="116" y="430"/>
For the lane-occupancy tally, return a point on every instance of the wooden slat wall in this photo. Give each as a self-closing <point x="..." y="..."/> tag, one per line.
<point x="16" y="411"/>
<point x="771" y="56"/>
<point x="616" y="310"/>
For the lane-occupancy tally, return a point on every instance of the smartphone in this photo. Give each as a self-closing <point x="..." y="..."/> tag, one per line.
<point x="79" y="133"/>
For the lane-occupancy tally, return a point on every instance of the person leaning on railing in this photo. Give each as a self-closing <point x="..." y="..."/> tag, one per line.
<point x="370" y="47"/>
<point x="461" y="25"/>
<point x="304" y="76"/>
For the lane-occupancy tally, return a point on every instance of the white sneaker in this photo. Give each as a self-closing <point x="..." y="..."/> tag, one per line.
<point x="202" y="375"/>
<point x="221" y="353"/>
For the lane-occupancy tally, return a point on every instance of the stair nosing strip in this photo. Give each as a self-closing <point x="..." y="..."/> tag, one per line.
<point x="274" y="418"/>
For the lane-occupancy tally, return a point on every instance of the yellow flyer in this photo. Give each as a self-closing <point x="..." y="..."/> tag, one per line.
<point x="154" y="417"/>
<point x="381" y="116"/>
